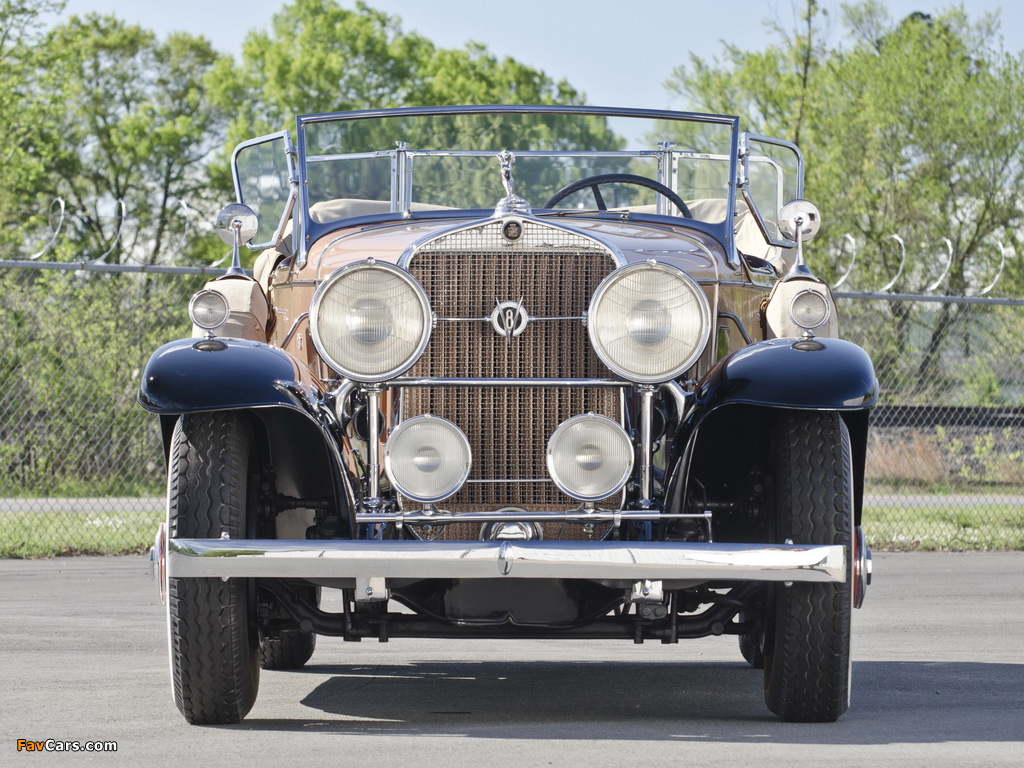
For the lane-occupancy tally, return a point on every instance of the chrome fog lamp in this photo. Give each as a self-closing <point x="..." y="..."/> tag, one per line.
<point x="370" y="321"/>
<point x="427" y="458"/>
<point x="799" y="304"/>
<point x="208" y="309"/>
<point x="590" y="457"/>
<point x="809" y="310"/>
<point x="649" y="322"/>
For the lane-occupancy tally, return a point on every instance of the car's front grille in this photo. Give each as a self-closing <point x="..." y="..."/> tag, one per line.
<point x="466" y="274"/>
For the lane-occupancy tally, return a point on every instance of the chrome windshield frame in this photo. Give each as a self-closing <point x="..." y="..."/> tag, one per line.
<point x="291" y="160"/>
<point x="401" y="167"/>
<point x="744" y="181"/>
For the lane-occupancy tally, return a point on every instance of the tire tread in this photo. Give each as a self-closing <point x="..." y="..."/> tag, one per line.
<point x="807" y="666"/>
<point x="214" y="669"/>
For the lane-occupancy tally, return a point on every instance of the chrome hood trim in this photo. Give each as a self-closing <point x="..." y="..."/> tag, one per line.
<point x="268" y="558"/>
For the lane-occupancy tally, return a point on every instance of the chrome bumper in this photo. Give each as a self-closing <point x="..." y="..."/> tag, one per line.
<point x="631" y="561"/>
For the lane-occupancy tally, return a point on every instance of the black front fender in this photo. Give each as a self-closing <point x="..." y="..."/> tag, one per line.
<point x="191" y="375"/>
<point x="759" y="381"/>
<point x="297" y="431"/>
<point x="822" y="374"/>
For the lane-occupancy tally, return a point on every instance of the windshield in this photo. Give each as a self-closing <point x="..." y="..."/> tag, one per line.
<point x="423" y="160"/>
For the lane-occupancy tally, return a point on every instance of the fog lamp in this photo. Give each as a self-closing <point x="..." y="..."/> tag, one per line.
<point x="208" y="309"/>
<point x="427" y="458"/>
<point x="589" y="457"/>
<point x="809" y="310"/>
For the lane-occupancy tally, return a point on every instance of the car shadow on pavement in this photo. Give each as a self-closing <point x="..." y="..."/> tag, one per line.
<point x="893" y="702"/>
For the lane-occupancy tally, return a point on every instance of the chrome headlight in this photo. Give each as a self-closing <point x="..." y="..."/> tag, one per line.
<point x="589" y="457"/>
<point x="427" y="458"/>
<point x="799" y="304"/>
<point x="370" y="321"/>
<point x="649" y="322"/>
<point x="208" y="309"/>
<point x="809" y="310"/>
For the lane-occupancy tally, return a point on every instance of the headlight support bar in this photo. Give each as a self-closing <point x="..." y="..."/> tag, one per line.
<point x="646" y="393"/>
<point x="373" y="500"/>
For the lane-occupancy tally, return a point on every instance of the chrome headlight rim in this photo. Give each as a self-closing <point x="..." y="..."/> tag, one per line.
<point x="204" y="295"/>
<point x="555" y="473"/>
<point x="689" y="284"/>
<point x="389" y="460"/>
<point x="826" y="312"/>
<point x="315" y="330"/>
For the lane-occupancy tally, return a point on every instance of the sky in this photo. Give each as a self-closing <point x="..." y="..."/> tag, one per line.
<point x="619" y="53"/>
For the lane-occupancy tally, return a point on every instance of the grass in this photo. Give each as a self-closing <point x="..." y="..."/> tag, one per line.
<point x="54" y="533"/>
<point x="937" y="528"/>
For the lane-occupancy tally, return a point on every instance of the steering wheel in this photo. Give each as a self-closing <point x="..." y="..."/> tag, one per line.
<point x="594" y="182"/>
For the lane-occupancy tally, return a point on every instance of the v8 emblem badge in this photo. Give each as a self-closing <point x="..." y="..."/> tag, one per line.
<point x="509" y="318"/>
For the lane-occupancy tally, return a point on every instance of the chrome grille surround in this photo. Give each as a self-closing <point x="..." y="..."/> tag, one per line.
<point x="552" y="272"/>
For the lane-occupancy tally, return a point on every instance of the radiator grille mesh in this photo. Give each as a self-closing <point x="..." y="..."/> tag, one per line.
<point x="465" y="275"/>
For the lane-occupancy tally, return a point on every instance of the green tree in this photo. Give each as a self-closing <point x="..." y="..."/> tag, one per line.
<point x="925" y="124"/>
<point x="771" y="90"/>
<point x="27" y="106"/>
<point x="136" y="128"/>
<point x="913" y="128"/>
<point x="116" y="116"/>
<point x="320" y="57"/>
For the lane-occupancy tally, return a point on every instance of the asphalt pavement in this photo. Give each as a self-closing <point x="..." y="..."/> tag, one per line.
<point x="938" y="680"/>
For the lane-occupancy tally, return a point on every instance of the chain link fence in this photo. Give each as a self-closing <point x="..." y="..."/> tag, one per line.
<point x="946" y="449"/>
<point x="80" y="467"/>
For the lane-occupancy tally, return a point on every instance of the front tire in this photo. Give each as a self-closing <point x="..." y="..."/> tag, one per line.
<point x="750" y="648"/>
<point x="213" y="640"/>
<point x="290" y="648"/>
<point x="807" y="637"/>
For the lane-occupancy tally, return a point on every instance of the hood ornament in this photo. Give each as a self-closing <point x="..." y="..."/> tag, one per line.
<point x="510" y="204"/>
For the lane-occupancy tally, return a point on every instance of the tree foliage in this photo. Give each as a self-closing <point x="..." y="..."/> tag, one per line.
<point x="109" y="118"/>
<point x="320" y="57"/>
<point x="911" y="128"/>
<point x="27" y="104"/>
<point x="137" y="128"/>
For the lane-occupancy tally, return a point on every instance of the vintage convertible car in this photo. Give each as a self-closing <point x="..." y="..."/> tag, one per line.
<point x="513" y="372"/>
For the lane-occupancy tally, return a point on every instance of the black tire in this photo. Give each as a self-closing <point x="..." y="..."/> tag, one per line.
<point x="807" y="634"/>
<point x="214" y="644"/>
<point x="289" y="650"/>
<point x="750" y="647"/>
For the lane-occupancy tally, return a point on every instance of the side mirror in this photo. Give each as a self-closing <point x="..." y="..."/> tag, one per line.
<point x="800" y="305"/>
<point x="799" y="220"/>
<point x="236" y="225"/>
